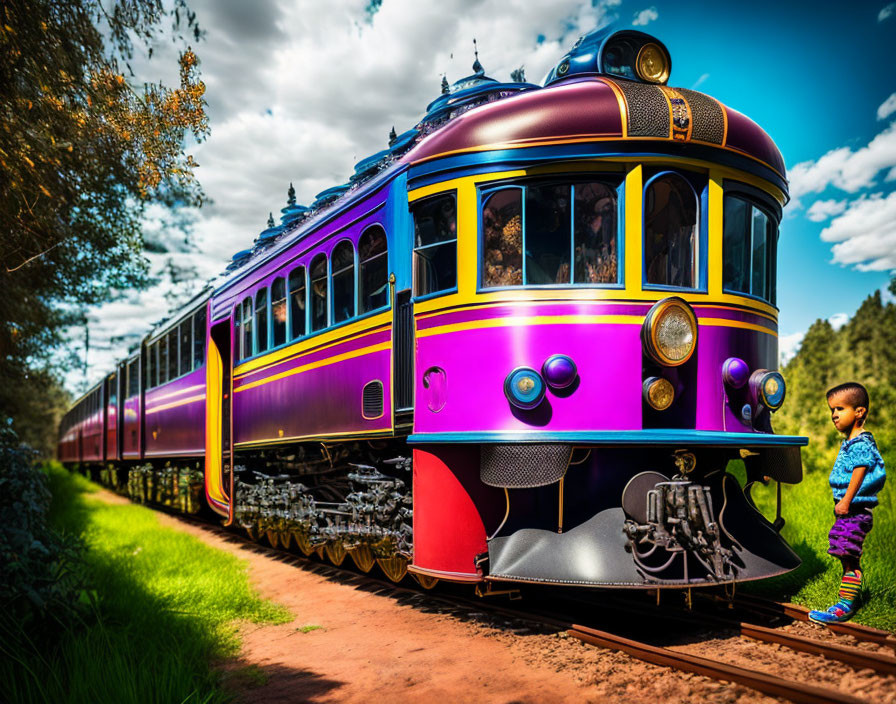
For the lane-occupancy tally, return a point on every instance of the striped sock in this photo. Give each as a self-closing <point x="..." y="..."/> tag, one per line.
<point x="850" y="587"/>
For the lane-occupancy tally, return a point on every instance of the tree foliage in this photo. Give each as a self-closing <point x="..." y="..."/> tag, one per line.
<point x="863" y="350"/>
<point x="83" y="152"/>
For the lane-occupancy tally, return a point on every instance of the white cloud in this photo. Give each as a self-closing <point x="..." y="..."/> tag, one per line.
<point x="846" y="169"/>
<point x="838" y="320"/>
<point x="645" y="16"/>
<point x="886" y="12"/>
<point x="887" y="108"/>
<point x="789" y="345"/>
<point x="824" y="209"/>
<point x="299" y="92"/>
<point x="865" y="233"/>
<point x="700" y="81"/>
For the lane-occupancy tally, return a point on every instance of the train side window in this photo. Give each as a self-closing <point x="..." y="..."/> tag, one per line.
<point x="133" y="378"/>
<point x="163" y="360"/>
<point x="172" y="355"/>
<point x="670" y="232"/>
<point x="374" y="264"/>
<point x="247" y="329"/>
<point x="319" y="292"/>
<point x="186" y="345"/>
<point x="113" y="390"/>
<point x="435" y="245"/>
<point x="342" y="264"/>
<point x="150" y="380"/>
<point x="749" y="248"/>
<point x="199" y="325"/>
<point x="278" y="311"/>
<point x="261" y="320"/>
<point x="502" y="225"/>
<point x="297" y="302"/>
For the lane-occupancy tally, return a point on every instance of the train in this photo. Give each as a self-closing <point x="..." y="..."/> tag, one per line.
<point x="526" y="342"/>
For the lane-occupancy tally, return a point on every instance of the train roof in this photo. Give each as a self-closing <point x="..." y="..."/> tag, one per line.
<point x="607" y="94"/>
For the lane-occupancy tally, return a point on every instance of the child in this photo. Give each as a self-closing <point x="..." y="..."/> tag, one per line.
<point x="857" y="477"/>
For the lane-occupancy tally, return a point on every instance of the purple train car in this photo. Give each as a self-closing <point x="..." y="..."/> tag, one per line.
<point x="523" y="343"/>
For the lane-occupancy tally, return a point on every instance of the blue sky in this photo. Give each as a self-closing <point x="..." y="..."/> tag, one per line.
<point x="813" y="75"/>
<point x="300" y="90"/>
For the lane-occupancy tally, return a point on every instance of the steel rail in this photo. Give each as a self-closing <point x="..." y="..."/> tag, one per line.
<point x="801" y="613"/>
<point x="850" y="655"/>
<point x="759" y="681"/>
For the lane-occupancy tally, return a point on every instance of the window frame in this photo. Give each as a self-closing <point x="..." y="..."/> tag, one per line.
<point x="773" y="211"/>
<point x="387" y="304"/>
<point x="290" y="336"/>
<point x="699" y="187"/>
<point x="328" y="323"/>
<point x="414" y="249"/>
<point x="332" y="287"/>
<point x="613" y="180"/>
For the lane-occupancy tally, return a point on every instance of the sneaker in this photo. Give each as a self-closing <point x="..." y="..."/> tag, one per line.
<point x="837" y="613"/>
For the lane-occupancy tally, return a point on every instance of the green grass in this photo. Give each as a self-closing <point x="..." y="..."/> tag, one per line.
<point x="166" y="608"/>
<point x="808" y="508"/>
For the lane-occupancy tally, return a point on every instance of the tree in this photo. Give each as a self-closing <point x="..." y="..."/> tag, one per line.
<point x="83" y="152"/>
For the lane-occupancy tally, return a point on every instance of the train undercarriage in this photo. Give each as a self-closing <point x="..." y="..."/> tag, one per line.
<point x="677" y="527"/>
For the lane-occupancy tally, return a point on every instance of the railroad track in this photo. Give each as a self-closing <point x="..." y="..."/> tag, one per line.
<point x="566" y="619"/>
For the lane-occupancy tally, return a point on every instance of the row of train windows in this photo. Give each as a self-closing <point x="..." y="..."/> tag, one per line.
<point x="90" y="404"/>
<point x="568" y="233"/>
<point x="178" y="352"/>
<point x="308" y="300"/>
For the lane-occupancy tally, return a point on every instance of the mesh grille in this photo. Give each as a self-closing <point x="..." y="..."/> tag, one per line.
<point x="709" y="122"/>
<point x="372" y="405"/>
<point x="648" y="111"/>
<point x="523" y="466"/>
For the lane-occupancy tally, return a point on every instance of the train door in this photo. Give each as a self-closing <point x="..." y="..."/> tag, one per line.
<point x="403" y="358"/>
<point x="218" y="419"/>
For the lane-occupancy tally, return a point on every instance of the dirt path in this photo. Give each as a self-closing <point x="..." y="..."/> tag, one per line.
<point x="351" y="642"/>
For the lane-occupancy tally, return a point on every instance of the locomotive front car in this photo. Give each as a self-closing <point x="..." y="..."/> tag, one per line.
<point x="596" y="332"/>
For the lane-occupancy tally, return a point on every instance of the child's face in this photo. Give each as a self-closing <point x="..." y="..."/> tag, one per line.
<point x="843" y="414"/>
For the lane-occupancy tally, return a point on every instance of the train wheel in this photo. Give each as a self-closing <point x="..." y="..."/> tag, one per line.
<point x="302" y="543"/>
<point x="284" y="539"/>
<point x="253" y="533"/>
<point x="395" y="568"/>
<point x="362" y="557"/>
<point x="424" y="580"/>
<point x="273" y="538"/>
<point x="336" y="552"/>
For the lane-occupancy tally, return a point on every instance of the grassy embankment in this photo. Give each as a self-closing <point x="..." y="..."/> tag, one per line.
<point x="808" y="508"/>
<point x="165" y="608"/>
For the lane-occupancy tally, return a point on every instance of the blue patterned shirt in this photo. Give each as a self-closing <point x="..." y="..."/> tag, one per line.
<point x="861" y="451"/>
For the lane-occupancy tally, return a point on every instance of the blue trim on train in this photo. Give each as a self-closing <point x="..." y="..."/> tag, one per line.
<point x="616" y="437"/>
<point x="471" y="163"/>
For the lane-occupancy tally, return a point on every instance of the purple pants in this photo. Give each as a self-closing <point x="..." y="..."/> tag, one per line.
<point x="848" y="534"/>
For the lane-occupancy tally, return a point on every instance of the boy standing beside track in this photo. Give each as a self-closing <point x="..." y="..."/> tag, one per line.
<point x="857" y="477"/>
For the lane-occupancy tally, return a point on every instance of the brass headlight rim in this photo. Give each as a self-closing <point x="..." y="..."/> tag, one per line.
<point x="653" y="381"/>
<point x="663" y="77"/>
<point x="653" y="316"/>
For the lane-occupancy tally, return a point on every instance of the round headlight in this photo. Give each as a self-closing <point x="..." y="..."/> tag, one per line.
<point x="669" y="334"/>
<point x="524" y="388"/>
<point x="652" y="64"/>
<point x="768" y="388"/>
<point x="658" y="393"/>
<point x="735" y="372"/>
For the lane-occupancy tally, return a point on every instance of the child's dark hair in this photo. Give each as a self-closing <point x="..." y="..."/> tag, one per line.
<point x="856" y="394"/>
